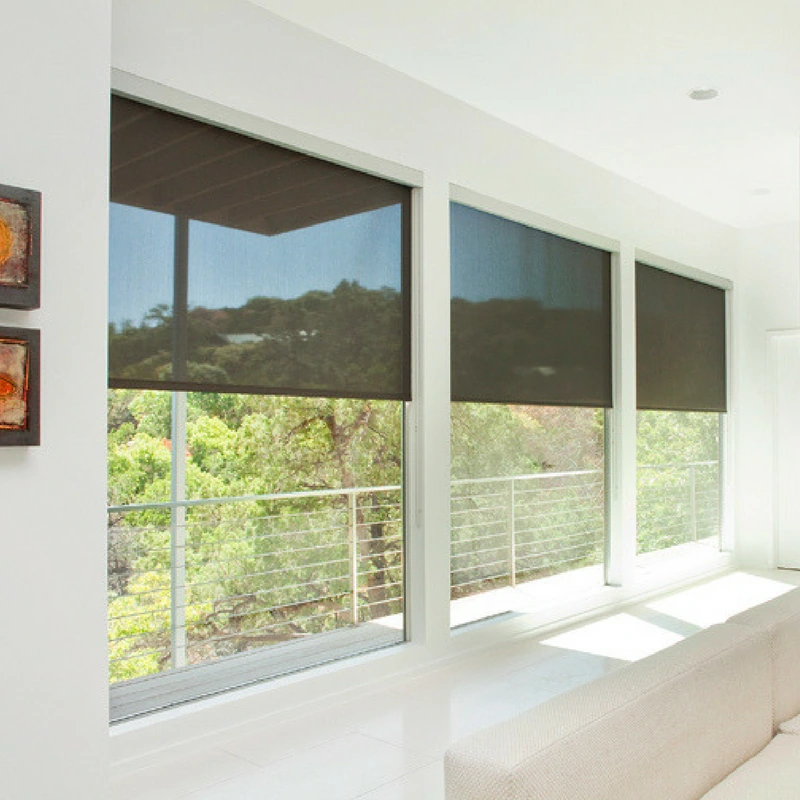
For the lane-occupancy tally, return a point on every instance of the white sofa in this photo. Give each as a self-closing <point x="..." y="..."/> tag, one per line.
<point x="713" y="717"/>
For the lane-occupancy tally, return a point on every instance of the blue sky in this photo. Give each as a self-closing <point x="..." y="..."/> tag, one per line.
<point x="227" y="267"/>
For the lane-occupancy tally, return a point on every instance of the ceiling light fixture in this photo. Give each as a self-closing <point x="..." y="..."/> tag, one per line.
<point x="703" y="94"/>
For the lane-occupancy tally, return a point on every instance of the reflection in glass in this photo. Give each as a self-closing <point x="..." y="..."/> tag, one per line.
<point x="530" y="314"/>
<point x="243" y="266"/>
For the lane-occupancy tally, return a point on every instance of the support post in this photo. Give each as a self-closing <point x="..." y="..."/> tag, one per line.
<point x="512" y="532"/>
<point x="178" y="532"/>
<point x="692" y="504"/>
<point x="353" y="520"/>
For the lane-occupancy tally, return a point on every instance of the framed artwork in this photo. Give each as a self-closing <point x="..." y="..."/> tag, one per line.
<point x="20" y="216"/>
<point x="19" y="386"/>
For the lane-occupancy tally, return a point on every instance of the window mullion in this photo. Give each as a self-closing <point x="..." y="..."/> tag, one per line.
<point x="621" y="458"/>
<point x="429" y="423"/>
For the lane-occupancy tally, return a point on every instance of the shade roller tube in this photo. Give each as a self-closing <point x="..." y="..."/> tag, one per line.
<point x="530" y="315"/>
<point x="680" y="343"/>
<point x="240" y="266"/>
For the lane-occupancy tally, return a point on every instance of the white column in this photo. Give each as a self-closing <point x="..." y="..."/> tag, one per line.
<point x="428" y="424"/>
<point x="621" y="436"/>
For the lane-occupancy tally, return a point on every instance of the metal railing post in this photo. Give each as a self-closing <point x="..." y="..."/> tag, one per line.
<point x="513" y="535"/>
<point x="353" y="519"/>
<point x="692" y="504"/>
<point x="178" y="533"/>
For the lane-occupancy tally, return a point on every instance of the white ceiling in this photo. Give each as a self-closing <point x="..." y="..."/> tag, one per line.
<point x="608" y="80"/>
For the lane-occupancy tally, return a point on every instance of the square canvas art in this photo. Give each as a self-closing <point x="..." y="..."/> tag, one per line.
<point x="19" y="247"/>
<point x="19" y="386"/>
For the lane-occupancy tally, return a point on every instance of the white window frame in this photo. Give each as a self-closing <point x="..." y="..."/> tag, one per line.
<point x="180" y="684"/>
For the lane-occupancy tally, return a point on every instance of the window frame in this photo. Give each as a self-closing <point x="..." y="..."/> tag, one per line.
<point x="134" y="698"/>
<point x="615" y="544"/>
<point x="728" y="418"/>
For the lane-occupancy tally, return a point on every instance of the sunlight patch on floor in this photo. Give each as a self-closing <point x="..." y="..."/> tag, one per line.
<point x="719" y="599"/>
<point x="622" y="636"/>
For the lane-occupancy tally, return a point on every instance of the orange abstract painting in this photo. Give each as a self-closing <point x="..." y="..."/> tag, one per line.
<point x="14" y="243"/>
<point x="19" y="387"/>
<point x="13" y="384"/>
<point x="20" y="217"/>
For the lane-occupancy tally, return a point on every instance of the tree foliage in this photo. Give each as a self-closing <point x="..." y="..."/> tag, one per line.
<point x="678" y="478"/>
<point x="307" y="342"/>
<point x="256" y="571"/>
<point x="264" y="571"/>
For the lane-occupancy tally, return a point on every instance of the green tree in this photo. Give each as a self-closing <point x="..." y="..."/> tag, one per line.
<point x="677" y="478"/>
<point x="259" y="571"/>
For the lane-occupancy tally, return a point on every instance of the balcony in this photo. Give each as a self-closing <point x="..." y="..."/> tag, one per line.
<point x="245" y="588"/>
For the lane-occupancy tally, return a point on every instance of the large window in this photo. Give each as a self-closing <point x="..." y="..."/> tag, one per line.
<point x="531" y="379"/>
<point x="682" y="399"/>
<point x="258" y="369"/>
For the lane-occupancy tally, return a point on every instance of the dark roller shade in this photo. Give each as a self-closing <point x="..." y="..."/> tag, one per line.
<point x="241" y="266"/>
<point x="680" y="343"/>
<point x="530" y="315"/>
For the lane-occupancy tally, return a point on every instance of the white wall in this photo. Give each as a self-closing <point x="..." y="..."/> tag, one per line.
<point x="785" y="385"/>
<point x="766" y="300"/>
<point x="53" y="137"/>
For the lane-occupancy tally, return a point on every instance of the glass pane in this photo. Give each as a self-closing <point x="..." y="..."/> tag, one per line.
<point x="530" y="314"/>
<point x="271" y="271"/>
<point x="291" y="525"/>
<point x="141" y="257"/>
<point x="680" y="343"/>
<point x="139" y="472"/>
<point x="678" y="479"/>
<point x="527" y="501"/>
<point x="317" y="309"/>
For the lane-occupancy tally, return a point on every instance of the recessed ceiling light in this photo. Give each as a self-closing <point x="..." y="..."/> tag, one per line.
<point x="703" y="94"/>
<point x="761" y="191"/>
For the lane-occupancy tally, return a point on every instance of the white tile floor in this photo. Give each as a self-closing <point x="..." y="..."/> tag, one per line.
<point x="389" y="745"/>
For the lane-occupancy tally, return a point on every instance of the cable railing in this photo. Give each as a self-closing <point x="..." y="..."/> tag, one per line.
<point x="230" y="574"/>
<point x="514" y="529"/>
<point x="240" y="573"/>
<point x="677" y="503"/>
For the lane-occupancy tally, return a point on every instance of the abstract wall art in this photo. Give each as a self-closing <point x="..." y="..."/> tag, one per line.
<point x="19" y="386"/>
<point x="20" y="212"/>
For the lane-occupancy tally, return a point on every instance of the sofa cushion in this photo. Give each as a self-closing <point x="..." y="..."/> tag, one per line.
<point x="774" y="774"/>
<point x="670" y="726"/>
<point x="781" y="617"/>
<point x="791" y="726"/>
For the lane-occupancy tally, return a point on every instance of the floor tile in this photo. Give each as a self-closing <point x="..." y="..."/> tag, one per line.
<point x="340" y="769"/>
<point x="424" y="784"/>
<point x="622" y="636"/>
<point x="276" y="742"/>
<point x="177" y="777"/>
<point x="715" y="601"/>
<point x="435" y="715"/>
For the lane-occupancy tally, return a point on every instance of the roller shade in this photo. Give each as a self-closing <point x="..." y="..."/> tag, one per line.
<point x="680" y="343"/>
<point x="241" y="266"/>
<point x="530" y="315"/>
